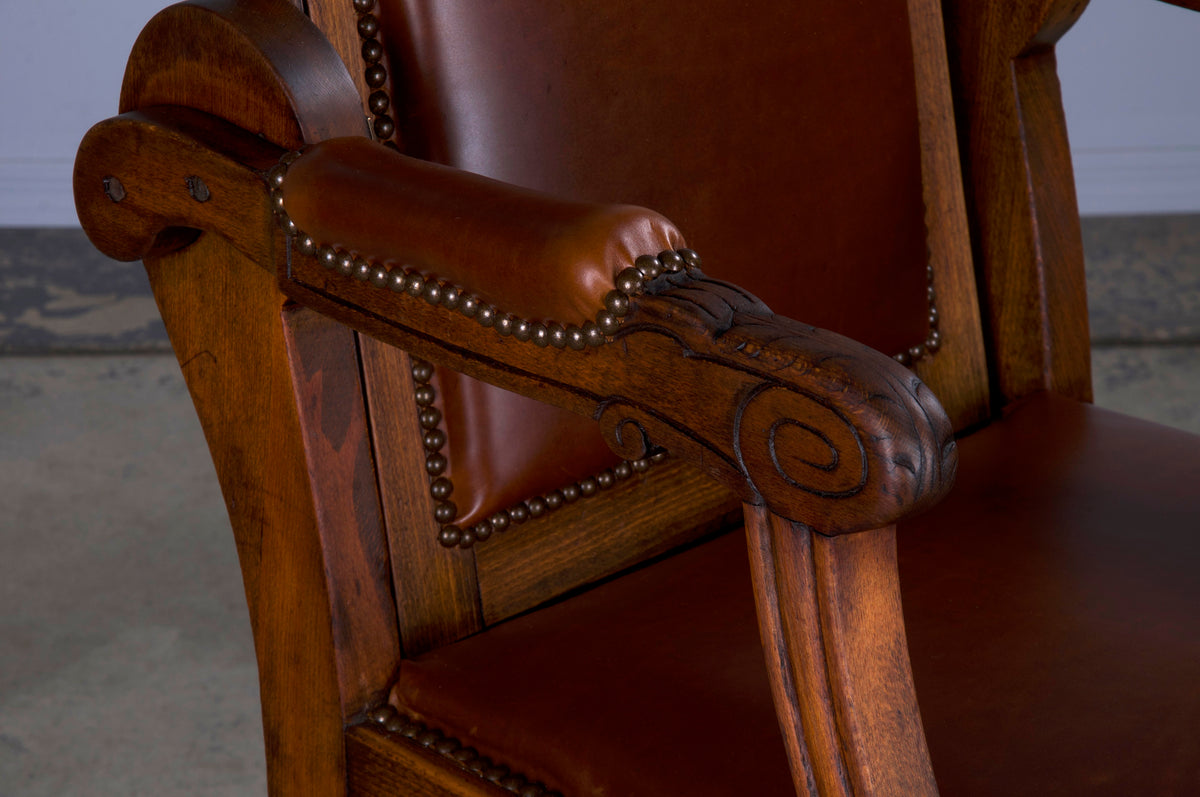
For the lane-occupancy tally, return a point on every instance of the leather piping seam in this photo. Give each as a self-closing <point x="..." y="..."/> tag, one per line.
<point x="392" y="722"/>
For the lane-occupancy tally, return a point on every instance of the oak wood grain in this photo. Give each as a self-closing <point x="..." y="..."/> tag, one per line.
<point x="384" y="766"/>
<point x="1021" y="190"/>
<point x="222" y="312"/>
<point x="832" y="628"/>
<point x="259" y="64"/>
<point x="435" y="588"/>
<point x="152" y="155"/>
<point x="957" y="372"/>
<point x="341" y="470"/>
<point x="647" y="515"/>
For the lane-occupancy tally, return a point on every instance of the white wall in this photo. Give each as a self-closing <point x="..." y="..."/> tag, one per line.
<point x="1130" y="72"/>
<point x="60" y="72"/>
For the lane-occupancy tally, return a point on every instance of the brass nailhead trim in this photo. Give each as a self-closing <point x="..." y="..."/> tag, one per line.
<point x="933" y="341"/>
<point x="441" y="488"/>
<point x="628" y="282"/>
<point x="408" y="279"/>
<point x="451" y="749"/>
<point x="383" y="127"/>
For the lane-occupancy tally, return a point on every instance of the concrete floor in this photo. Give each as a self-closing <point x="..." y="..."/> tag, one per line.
<point x="126" y="663"/>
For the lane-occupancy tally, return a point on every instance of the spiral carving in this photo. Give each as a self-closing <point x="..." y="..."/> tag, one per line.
<point x="808" y="423"/>
<point x="820" y="453"/>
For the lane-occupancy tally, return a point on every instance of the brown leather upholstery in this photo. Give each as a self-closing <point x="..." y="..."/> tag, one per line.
<point x="1034" y="663"/>
<point x="1050" y="604"/>
<point x="502" y="448"/>
<point x="653" y="104"/>
<point x="554" y="259"/>
<point x="817" y="244"/>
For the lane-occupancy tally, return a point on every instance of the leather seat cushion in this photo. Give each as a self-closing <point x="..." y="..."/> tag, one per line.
<point x="1053" y="608"/>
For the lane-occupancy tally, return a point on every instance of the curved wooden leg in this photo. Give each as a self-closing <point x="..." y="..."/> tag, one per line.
<point x="829" y="614"/>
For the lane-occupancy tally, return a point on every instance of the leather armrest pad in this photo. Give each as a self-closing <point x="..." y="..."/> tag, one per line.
<point x="540" y="257"/>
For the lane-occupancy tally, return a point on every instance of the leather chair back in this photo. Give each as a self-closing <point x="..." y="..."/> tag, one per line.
<point x="792" y="162"/>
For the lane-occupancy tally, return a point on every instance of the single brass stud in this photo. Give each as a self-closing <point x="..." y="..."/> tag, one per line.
<point x="375" y="75"/>
<point x="450" y="536"/>
<point x="414" y="283"/>
<point x="368" y="26"/>
<point x="451" y="296"/>
<point x="199" y="190"/>
<point x="113" y="189"/>
<point x="372" y="51"/>
<point x="537" y="506"/>
<point x="379" y="102"/>
<point x="435" y="464"/>
<point x="671" y="261"/>
<point x="617" y="303"/>
<point x="629" y="280"/>
<point x="384" y="126"/>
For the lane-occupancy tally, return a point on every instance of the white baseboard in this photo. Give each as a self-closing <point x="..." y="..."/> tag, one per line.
<point x="1137" y="182"/>
<point x="37" y="193"/>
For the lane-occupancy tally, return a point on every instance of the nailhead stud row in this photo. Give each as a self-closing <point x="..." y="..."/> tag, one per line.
<point x="441" y="488"/>
<point x="452" y="749"/>
<point x="374" y="72"/>
<point x="628" y="282"/>
<point x="406" y="279"/>
<point x="933" y="341"/>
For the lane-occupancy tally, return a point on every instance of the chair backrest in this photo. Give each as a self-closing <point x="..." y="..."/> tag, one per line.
<point x="805" y="149"/>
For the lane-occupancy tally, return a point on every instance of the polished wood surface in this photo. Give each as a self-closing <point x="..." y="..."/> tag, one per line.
<point x="354" y="549"/>
<point x="829" y="614"/>
<point x="958" y="372"/>
<point x="583" y="542"/>
<point x="223" y="315"/>
<point x="309" y="408"/>
<point x="1021" y="193"/>
<point x="437" y="591"/>
<point x="740" y="375"/>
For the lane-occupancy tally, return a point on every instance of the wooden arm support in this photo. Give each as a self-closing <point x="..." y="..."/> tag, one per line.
<point x="814" y="426"/>
<point x="819" y="435"/>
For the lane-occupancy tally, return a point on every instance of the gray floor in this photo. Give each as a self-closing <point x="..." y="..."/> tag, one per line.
<point x="126" y="664"/>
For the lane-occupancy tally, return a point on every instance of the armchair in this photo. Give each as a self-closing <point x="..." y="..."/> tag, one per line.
<point x="488" y="443"/>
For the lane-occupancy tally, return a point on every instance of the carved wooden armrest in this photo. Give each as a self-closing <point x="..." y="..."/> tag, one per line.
<point x="814" y="426"/>
<point x="603" y="311"/>
<point x="818" y="434"/>
<point x="814" y="431"/>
